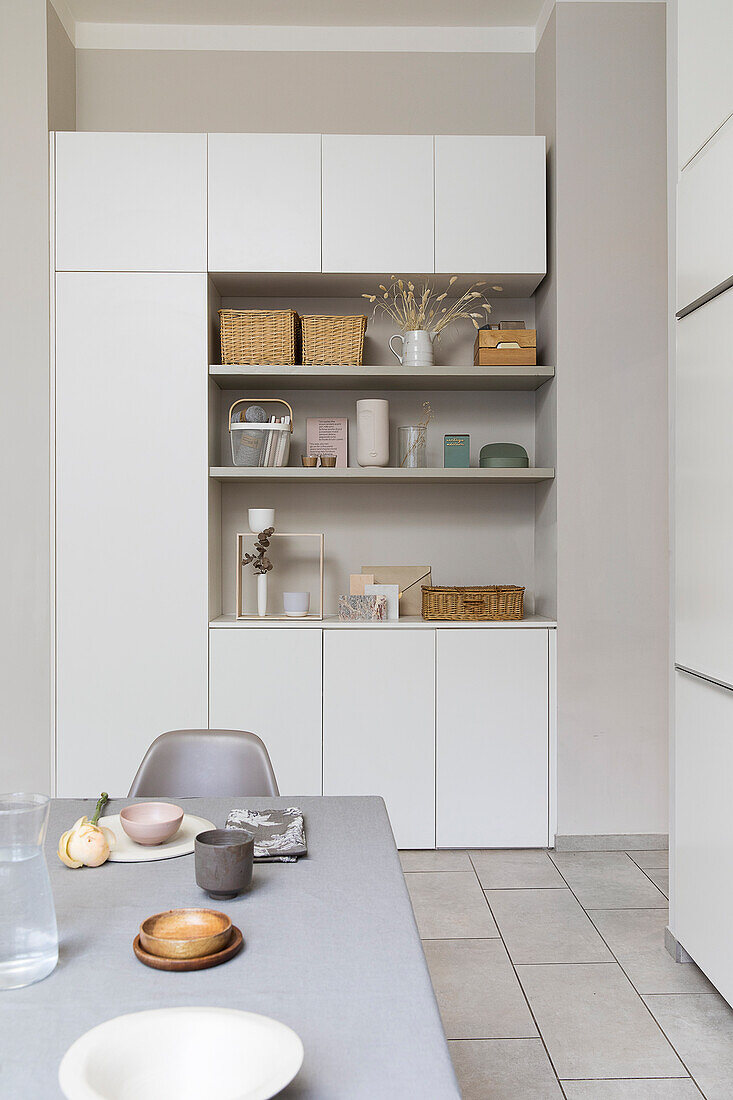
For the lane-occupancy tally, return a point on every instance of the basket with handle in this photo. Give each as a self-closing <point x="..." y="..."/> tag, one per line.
<point x="497" y="602"/>
<point x="266" y="444"/>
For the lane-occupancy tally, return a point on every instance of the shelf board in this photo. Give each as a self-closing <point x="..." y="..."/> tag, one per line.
<point x="380" y="378"/>
<point x="355" y="475"/>
<point x="330" y="622"/>
<point x="335" y="284"/>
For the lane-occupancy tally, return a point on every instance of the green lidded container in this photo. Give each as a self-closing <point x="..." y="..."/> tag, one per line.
<point x="508" y="455"/>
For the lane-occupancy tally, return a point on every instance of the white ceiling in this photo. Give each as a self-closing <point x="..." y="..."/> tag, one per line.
<point x="314" y="13"/>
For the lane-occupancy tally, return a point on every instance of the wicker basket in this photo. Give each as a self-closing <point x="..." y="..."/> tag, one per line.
<point x="267" y="336"/>
<point x="333" y="341"/>
<point x="497" y="602"/>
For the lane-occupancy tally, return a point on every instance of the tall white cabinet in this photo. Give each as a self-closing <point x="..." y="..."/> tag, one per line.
<point x="131" y="492"/>
<point x="701" y="894"/>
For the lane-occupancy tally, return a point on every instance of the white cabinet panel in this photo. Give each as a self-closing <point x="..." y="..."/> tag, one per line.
<point x="702" y="887"/>
<point x="704" y="222"/>
<point x="131" y="520"/>
<point x="704" y="490"/>
<point x="377" y="203"/>
<point x="269" y="681"/>
<point x="492" y="739"/>
<point x="264" y="202"/>
<point x="705" y="74"/>
<point x="490" y="205"/>
<point x="379" y="724"/>
<point x="130" y="202"/>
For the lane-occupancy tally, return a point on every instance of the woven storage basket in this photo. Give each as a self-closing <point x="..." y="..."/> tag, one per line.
<point x="497" y="602"/>
<point x="267" y="336"/>
<point x="333" y="341"/>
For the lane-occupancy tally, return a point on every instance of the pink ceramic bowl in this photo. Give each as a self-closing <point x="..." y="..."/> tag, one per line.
<point x="151" y="822"/>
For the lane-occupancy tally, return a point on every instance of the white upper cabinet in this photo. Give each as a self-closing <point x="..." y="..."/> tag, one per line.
<point x="130" y="202"/>
<point x="377" y="203"/>
<point x="704" y="222"/>
<point x="264" y="202"/>
<point x="705" y="73"/>
<point x="490" y="207"/>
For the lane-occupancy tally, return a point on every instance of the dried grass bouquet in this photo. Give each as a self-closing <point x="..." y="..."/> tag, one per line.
<point x="414" y="308"/>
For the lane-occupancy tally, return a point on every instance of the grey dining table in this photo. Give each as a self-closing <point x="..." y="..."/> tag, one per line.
<point x="331" y="949"/>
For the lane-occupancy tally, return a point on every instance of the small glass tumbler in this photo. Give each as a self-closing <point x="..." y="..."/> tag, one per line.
<point x="29" y="944"/>
<point x="412" y="444"/>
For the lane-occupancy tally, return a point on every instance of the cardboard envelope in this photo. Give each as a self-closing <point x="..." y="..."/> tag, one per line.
<point x="409" y="578"/>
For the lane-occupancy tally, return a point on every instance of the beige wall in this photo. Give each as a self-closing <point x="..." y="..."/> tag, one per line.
<point x="610" y="199"/>
<point x="25" y="615"/>
<point x="61" y="57"/>
<point x="358" y="93"/>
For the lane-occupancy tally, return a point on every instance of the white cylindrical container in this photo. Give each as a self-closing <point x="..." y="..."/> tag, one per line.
<point x="296" y="604"/>
<point x="372" y="432"/>
<point x="260" y="519"/>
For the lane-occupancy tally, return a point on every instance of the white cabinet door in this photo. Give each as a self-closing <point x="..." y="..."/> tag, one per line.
<point x="269" y="681"/>
<point x="702" y="885"/>
<point x="131" y="520"/>
<point x="704" y="490"/>
<point x="704" y="222"/>
<point x="264" y="202"/>
<point x="705" y="74"/>
<point x="490" y="205"/>
<point x="379" y="724"/>
<point x="492" y="738"/>
<point x="377" y="203"/>
<point x="130" y="202"/>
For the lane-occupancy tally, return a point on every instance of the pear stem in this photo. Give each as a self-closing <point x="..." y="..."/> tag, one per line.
<point x="103" y="798"/>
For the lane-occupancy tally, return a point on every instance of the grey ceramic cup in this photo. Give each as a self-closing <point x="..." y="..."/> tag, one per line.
<point x="224" y="859"/>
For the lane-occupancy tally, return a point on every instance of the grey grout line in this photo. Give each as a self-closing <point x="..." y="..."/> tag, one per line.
<point x="572" y="1080"/>
<point x="524" y="994"/>
<point x="636" y="991"/>
<point x="644" y="872"/>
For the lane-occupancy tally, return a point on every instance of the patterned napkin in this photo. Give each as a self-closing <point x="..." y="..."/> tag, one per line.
<point x="279" y="835"/>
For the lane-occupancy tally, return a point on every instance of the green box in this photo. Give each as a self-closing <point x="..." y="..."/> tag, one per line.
<point x="456" y="452"/>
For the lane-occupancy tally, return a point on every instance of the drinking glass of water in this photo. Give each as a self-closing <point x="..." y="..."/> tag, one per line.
<point x="29" y="943"/>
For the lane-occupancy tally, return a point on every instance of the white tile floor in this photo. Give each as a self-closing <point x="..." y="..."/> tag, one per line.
<point x="553" y="980"/>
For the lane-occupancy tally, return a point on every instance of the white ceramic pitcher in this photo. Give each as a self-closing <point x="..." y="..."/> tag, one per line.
<point x="417" y="348"/>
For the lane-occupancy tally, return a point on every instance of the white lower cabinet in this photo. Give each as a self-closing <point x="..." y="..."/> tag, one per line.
<point x="269" y="681"/>
<point x="378" y="724"/>
<point x="492" y="744"/>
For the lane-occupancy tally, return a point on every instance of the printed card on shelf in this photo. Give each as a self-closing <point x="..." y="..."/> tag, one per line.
<point x="328" y="435"/>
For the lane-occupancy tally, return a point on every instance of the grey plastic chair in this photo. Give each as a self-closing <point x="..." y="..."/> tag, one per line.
<point x="199" y="763"/>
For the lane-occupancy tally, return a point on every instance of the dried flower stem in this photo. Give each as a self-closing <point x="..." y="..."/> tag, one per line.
<point x="259" y="561"/>
<point x="413" y="309"/>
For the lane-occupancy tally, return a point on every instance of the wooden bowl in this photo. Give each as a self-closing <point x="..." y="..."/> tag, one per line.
<point x="185" y="933"/>
<point x="150" y="823"/>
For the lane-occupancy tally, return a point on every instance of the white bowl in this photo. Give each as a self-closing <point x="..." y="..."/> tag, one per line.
<point x="182" y="1054"/>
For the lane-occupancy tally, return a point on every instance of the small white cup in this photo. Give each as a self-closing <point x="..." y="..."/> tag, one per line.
<point x="260" y="519"/>
<point x="296" y="604"/>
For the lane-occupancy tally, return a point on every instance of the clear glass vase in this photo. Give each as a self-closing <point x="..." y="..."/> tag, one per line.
<point x="413" y="446"/>
<point x="29" y="945"/>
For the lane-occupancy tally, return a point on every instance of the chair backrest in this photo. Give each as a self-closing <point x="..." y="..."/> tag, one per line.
<point x="198" y="763"/>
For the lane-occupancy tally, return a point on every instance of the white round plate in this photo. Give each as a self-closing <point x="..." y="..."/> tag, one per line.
<point x="182" y="1054"/>
<point x="127" y="851"/>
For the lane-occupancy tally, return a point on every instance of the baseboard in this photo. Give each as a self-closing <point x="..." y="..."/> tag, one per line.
<point x="675" y="948"/>
<point x="612" y="842"/>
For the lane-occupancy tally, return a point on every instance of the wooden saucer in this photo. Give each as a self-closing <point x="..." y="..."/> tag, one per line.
<point x="159" y="963"/>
